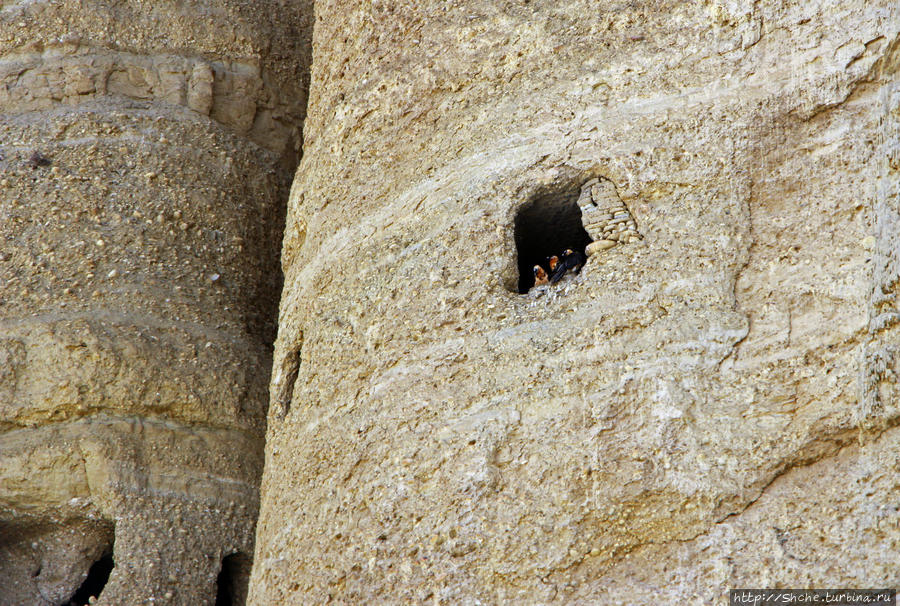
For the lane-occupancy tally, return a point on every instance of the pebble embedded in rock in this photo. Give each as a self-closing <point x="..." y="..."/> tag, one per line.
<point x="598" y="246"/>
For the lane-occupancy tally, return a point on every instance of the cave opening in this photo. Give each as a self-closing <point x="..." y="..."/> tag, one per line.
<point x="233" y="580"/>
<point x="96" y="580"/>
<point x="545" y="226"/>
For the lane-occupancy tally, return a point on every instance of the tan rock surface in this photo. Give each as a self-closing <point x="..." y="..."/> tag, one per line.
<point x="712" y="407"/>
<point x="146" y="150"/>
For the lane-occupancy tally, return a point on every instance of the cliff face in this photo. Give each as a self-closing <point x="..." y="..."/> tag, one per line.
<point x="710" y="403"/>
<point x="713" y="405"/>
<point x="146" y="150"/>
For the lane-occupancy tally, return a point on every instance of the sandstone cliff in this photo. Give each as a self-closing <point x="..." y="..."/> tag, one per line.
<point x="146" y="150"/>
<point x="711" y="406"/>
<point x="710" y="403"/>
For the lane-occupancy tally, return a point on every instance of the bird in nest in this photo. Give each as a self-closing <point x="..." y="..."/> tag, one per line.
<point x="540" y="276"/>
<point x="570" y="260"/>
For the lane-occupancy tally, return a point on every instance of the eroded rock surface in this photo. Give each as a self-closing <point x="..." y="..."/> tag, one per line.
<point x="710" y="407"/>
<point x="146" y="150"/>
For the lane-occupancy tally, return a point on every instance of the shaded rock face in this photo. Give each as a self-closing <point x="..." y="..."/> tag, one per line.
<point x="711" y="406"/>
<point x="146" y="151"/>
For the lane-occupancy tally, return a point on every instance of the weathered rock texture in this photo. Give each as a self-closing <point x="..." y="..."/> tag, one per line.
<point x="605" y="217"/>
<point x="146" y="150"/>
<point x="713" y="406"/>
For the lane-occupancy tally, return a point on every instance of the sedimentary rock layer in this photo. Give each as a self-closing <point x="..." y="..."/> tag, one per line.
<point x="146" y="150"/>
<point x="712" y="406"/>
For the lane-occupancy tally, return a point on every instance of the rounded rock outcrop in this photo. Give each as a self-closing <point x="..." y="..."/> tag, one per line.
<point x="714" y="408"/>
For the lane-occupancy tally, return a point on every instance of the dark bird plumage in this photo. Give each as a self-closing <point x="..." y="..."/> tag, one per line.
<point x="570" y="260"/>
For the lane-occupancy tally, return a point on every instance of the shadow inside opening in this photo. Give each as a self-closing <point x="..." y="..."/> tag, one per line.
<point x="546" y="226"/>
<point x="233" y="580"/>
<point x="96" y="580"/>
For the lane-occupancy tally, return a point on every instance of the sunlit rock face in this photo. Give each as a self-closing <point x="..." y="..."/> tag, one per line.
<point x="712" y="405"/>
<point x="146" y="152"/>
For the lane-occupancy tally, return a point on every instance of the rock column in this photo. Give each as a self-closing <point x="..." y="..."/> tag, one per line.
<point x="712" y="405"/>
<point x="146" y="151"/>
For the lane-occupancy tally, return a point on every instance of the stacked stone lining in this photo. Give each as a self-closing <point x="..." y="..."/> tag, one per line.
<point x="605" y="217"/>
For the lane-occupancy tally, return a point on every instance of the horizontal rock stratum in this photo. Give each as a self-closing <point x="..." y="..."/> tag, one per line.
<point x="713" y="406"/>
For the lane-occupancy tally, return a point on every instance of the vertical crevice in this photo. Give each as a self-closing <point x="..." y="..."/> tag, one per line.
<point x="286" y="378"/>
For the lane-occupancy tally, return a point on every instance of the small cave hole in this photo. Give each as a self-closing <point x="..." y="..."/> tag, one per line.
<point x="233" y="580"/>
<point x="96" y="580"/>
<point x="546" y="226"/>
